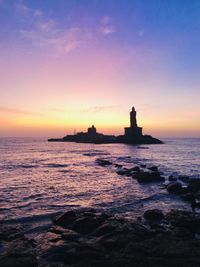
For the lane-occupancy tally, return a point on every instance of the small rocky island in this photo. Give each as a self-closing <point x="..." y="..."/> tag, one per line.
<point x="132" y="135"/>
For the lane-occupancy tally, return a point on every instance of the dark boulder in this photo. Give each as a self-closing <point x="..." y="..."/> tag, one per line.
<point x="174" y="188"/>
<point x="188" y="197"/>
<point x="143" y="166"/>
<point x="103" y="162"/>
<point x="194" y="185"/>
<point x="104" y="229"/>
<point x="183" y="178"/>
<point x="153" y="168"/>
<point x="146" y="177"/>
<point x="87" y="224"/>
<point x="65" y="218"/>
<point x="154" y="215"/>
<point x="172" y="178"/>
<point x="19" y="253"/>
<point x="184" y="219"/>
<point x="118" y="165"/>
<point x="123" y="171"/>
<point x="135" y="169"/>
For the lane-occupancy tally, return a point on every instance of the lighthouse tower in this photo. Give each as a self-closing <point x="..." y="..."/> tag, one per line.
<point x="133" y="131"/>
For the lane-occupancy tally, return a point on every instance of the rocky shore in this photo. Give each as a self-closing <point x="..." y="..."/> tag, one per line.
<point x="88" y="238"/>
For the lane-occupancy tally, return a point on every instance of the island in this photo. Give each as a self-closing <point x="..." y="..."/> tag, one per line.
<point x="132" y="135"/>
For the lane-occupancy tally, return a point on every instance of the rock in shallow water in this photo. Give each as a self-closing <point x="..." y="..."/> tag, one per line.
<point x="148" y="177"/>
<point x="153" y="215"/>
<point x="174" y="188"/>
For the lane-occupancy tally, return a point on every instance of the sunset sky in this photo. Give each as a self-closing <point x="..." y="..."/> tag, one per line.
<point x="68" y="64"/>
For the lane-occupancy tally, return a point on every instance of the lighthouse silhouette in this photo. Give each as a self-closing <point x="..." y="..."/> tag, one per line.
<point x="133" y="131"/>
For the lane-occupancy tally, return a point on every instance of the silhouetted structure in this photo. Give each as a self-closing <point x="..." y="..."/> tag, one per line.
<point x="132" y="135"/>
<point x="133" y="130"/>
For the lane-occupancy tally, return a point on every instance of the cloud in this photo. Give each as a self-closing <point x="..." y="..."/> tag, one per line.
<point x="37" y="13"/>
<point x="47" y="25"/>
<point x="17" y="111"/>
<point x="48" y="33"/>
<point x="107" y="29"/>
<point x="24" y="10"/>
<point x="106" y="26"/>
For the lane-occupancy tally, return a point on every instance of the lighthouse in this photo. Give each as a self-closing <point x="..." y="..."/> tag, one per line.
<point x="133" y="131"/>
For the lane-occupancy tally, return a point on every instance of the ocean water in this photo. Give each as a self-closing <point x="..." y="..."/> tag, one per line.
<point x="39" y="179"/>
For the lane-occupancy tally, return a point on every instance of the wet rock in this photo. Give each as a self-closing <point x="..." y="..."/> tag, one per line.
<point x="172" y="178"/>
<point x="187" y="197"/>
<point x="118" y="165"/>
<point x="105" y="228"/>
<point x="185" y="219"/>
<point x="153" y="215"/>
<point x="65" y="218"/>
<point x="153" y="168"/>
<point x="194" y="185"/>
<point x="19" y="253"/>
<point x="146" y="177"/>
<point x="103" y="162"/>
<point x="183" y="178"/>
<point x="135" y="169"/>
<point x="174" y="188"/>
<point x="87" y="224"/>
<point x="123" y="171"/>
<point x="143" y="166"/>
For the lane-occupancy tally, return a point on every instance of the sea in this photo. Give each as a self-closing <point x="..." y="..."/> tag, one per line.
<point x="41" y="179"/>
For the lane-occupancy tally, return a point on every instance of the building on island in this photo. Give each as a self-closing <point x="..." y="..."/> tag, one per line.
<point x="132" y="135"/>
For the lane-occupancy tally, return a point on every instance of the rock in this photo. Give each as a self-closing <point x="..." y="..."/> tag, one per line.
<point x="143" y="166"/>
<point x="135" y="169"/>
<point x="87" y="224"/>
<point x="183" y="178"/>
<point x="118" y="165"/>
<point x="105" y="228"/>
<point x="123" y="171"/>
<point x="103" y="162"/>
<point x="146" y="177"/>
<point x="185" y="219"/>
<point x="174" y="188"/>
<point x="65" y="218"/>
<point x="153" y="168"/>
<point x="187" y="197"/>
<point x="154" y="215"/>
<point x="194" y="185"/>
<point x="66" y="234"/>
<point x="114" y="242"/>
<point x="19" y="253"/>
<point x="185" y="190"/>
<point x="172" y="178"/>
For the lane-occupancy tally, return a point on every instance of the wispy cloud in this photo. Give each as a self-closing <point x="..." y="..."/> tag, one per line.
<point x="107" y="26"/>
<point x="48" y="33"/>
<point x="4" y="109"/>
<point x="23" y="10"/>
<point x="107" y="29"/>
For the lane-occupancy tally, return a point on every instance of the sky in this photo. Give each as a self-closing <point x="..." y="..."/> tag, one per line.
<point x="68" y="64"/>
